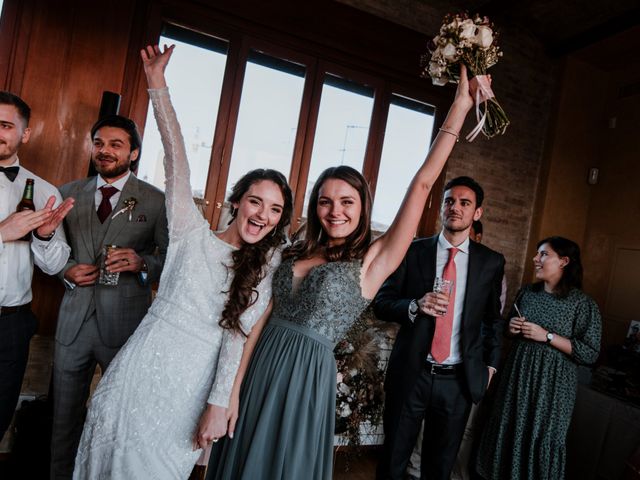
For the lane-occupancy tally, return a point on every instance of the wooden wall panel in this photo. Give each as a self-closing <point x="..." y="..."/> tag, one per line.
<point x="335" y="29"/>
<point x="61" y="57"/>
<point x="75" y="52"/>
<point x="10" y="23"/>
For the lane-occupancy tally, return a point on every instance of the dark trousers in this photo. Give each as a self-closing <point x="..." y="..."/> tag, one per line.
<point x="73" y="369"/>
<point x="16" y="330"/>
<point x="444" y="403"/>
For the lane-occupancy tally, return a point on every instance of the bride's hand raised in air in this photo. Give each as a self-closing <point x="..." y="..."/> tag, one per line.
<point x="154" y="62"/>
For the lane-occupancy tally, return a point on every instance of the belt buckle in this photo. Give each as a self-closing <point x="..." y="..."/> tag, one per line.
<point x="433" y="369"/>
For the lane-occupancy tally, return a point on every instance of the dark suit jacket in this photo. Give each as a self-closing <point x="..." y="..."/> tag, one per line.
<point x="119" y="309"/>
<point x="481" y="320"/>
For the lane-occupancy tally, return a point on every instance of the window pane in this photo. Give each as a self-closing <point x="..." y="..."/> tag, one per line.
<point x="267" y="119"/>
<point x="343" y="127"/>
<point x="195" y="77"/>
<point x="406" y="143"/>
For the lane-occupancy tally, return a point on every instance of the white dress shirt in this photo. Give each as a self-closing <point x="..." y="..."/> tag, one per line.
<point x="17" y="258"/>
<point x="462" y="267"/>
<point x="119" y="184"/>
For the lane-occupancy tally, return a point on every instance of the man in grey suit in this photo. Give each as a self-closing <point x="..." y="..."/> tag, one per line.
<point x="95" y="320"/>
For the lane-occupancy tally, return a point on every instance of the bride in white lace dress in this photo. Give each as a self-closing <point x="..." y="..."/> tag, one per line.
<point x="180" y="364"/>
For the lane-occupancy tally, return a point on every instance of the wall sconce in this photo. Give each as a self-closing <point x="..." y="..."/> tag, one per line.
<point x="593" y="176"/>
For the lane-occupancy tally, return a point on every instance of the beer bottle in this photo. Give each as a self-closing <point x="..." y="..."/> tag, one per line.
<point x="27" y="203"/>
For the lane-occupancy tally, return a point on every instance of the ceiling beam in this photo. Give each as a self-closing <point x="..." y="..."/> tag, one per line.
<point x="608" y="28"/>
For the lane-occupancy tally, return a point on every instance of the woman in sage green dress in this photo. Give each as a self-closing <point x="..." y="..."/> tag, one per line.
<point x="285" y="426"/>
<point x="559" y="329"/>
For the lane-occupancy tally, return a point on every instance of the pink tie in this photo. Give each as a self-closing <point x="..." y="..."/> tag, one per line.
<point x="441" y="343"/>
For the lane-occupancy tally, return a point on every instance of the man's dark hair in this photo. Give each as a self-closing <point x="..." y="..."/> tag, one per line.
<point x="126" y="124"/>
<point x="469" y="183"/>
<point x="477" y="227"/>
<point x="8" y="98"/>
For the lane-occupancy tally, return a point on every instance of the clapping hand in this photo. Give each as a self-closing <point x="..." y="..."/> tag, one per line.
<point x="54" y="220"/>
<point x="18" y="224"/>
<point x="44" y="221"/>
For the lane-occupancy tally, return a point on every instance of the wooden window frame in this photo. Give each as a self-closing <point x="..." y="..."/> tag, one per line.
<point x="242" y="38"/>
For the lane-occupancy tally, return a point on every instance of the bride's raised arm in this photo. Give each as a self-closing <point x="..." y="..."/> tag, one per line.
<point x="386" y="253"/>
<point x="182" y="214"/>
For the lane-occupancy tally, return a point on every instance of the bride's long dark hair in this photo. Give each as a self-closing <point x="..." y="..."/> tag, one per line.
<point x="250" y="259"/>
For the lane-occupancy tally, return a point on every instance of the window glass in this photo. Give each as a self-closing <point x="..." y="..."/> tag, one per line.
<point x="406" y="143"/>
<point x="194" y="76"/>
<point x="267" y="119"/>
<point x="343" y="127"/>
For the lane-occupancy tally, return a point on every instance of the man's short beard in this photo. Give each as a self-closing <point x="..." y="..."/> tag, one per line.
<point x="113" y="173"/>
<point x="12" y="152"/>
<point x="456" y="230"/>
<point x="119" y="170"/>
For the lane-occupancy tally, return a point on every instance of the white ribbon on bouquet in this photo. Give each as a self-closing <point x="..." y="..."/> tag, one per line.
<point x="480" y="87"/>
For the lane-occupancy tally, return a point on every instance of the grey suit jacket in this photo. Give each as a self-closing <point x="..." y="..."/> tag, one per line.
<point x="118" y="309"/>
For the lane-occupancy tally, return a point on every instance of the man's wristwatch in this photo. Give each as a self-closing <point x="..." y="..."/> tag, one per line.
<point x="549" y="337"/>
<point x="44" y="239"/>
<point x="143" y="273"/>
<point x="413" y="309"/>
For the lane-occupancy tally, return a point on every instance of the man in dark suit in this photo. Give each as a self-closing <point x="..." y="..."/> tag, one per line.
<point x="95" y="320"/>
<point x="448" y="346"/>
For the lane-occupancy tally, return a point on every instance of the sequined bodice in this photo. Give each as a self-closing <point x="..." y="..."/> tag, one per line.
<point x="328" y="299"/>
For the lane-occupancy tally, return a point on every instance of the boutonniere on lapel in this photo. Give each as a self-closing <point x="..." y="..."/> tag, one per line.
<point x="129" y="205"/>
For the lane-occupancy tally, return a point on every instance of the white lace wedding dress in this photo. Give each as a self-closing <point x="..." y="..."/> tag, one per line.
<point x="146" y="408"/>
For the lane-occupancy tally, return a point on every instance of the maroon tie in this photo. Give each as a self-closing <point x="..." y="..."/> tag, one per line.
<point x="104" y="209"/>
<point x="441" y="343"/>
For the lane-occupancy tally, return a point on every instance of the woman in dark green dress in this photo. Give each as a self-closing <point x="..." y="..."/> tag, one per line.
<point x="559" y="329"/>
<point x="285" y="427"/>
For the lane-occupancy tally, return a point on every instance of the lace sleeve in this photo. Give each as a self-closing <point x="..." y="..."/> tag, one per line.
<point x="182" y="213"/>
<point x="233" y="343"/>
<point x="228" y="364"/>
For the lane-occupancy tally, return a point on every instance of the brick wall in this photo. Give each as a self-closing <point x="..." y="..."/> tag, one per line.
<point x="508" y="167"/>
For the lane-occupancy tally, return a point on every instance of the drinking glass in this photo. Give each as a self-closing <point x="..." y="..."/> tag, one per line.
<point x="106" y="277"/>
<point x="441" y="285"/>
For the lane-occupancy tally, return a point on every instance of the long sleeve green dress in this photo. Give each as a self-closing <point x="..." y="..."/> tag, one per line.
<point x="527" y="427"/>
